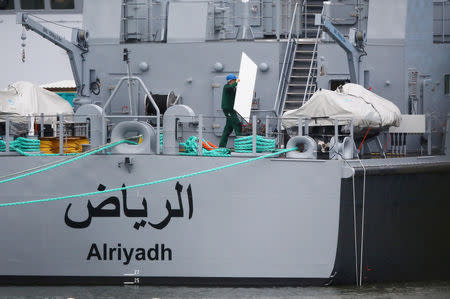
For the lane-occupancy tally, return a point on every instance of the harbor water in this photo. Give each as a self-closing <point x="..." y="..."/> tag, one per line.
<point x="429" y="290"/>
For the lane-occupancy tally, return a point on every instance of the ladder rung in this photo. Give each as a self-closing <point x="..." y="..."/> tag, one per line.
<point x="294" y="102"/>
<point x="299" y="76"/>
<point x="303" y="68"/>
<point x="298" y="93"/>
<point x="303" y="59"/>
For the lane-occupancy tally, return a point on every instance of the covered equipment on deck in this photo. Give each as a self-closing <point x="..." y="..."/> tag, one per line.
<point x="351" y="101"/>
<point x="22" y="99"/>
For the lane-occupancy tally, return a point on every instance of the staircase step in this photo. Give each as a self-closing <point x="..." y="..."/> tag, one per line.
<point x="304" y="59"/>
<point x="299" y="77"/>
<point x="306" y="41"/>
<point x="296" y="102"/>
<point x="304" y="51"/>
<point x="298" y="84"/>
<point x="312" y="13"/>
<point x="303" y="68"/>
<point x="292" y="93"/>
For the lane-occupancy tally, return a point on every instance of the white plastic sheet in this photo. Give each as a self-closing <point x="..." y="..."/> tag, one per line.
<point x="352" y="101"/>
<point x="245" y="88"/>
<point x="24" y="98"/>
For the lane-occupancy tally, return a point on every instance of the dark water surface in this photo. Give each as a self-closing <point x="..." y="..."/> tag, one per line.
<point x="397" y="290"/>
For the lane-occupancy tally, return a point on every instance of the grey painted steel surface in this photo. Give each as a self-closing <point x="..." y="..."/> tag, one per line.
<point x="273" y="218"/>
<point x="242" y="225"/>
<point x="176" y="120"/>
<point x="397" y="42"/>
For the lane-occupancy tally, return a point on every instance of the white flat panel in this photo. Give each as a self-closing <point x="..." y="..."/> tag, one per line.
<point x="410" y="124"/>
<point x="245" y="88"/>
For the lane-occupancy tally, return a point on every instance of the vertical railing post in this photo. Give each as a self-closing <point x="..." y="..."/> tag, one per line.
<point x="104" y="130"/>
<point x="158" y="133"/>
<point x="278" y="24"/>
<point x="200" y="135"/>
<point x="429" y="134"/>
<point x="7" y="124"/>
<point x="297" y="26"/>
<point x="305" y="16"/>
<point x="306" y="127"/>
<point x="352" y="129"/>
<point x="404" y="145"/>
<point x="254" y="135"/>
<point x="289" y="16"/>
<point x="336" y="131"/>
<point x="300" y="126"/>
<point x="447" y="136"/>
<point x="61" y="134"/>
<point x="42" y="125"/>
<point x="267" y="126"/>
<point x="29" y="125"/>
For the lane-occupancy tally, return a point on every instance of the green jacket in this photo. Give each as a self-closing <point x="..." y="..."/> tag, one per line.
<point x="228" y="94"/>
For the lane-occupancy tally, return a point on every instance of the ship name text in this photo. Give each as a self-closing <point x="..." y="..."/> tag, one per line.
<point x="104" y="252"/>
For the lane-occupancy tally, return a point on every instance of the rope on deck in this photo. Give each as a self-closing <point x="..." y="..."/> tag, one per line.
<point x="78" y="157"/>
<point x="149" y="183"/>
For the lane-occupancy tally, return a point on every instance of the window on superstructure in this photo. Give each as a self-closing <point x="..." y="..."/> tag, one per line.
<point x="447" y="84"/>
<point x="62" y="4"/>
<point x="32" y="4"/>
<point x="6" y="4"/>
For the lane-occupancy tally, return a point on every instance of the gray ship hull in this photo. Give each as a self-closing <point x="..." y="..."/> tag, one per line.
<point x="405" y="224"/>
<point x="268" y="220"/>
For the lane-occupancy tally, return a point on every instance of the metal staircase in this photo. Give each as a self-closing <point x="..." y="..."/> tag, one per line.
<point x="304" y="66"/>
<point x="302" y="81"/>
<point x="298" y="76"/>
<point x="309" y="9"/>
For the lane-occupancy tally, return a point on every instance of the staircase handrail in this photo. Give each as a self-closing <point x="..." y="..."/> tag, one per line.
<point x="311" y="65"/>
<point x="283" y="77"/>
<point x="305" y="16"/>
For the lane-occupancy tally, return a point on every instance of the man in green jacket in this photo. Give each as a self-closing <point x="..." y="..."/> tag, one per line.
<point x="233" y="123"/>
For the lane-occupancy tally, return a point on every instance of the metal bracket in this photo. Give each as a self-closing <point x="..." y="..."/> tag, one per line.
<point x="127" y="163"/>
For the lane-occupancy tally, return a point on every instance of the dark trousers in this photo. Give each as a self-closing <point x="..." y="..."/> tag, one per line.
<point x="233" y="123"/>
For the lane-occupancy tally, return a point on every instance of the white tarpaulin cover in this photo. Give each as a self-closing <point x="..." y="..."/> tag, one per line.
<point x="245" y="88"/>
<point x="351" y="101"/>
<point x="25" y="98"/>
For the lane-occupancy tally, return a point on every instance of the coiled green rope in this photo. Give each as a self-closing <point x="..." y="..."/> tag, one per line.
<point x="245" y="144"/>
<point x="68" y="161"/>
<point x="22" y="145"/>
<point x="191" y="146"/>
<point x="149" y="183"/>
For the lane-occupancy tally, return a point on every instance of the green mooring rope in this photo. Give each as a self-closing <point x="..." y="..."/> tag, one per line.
<point x="67" y="161"/>
<point x="191" y="146"/>
<point x="22" y="145"/>
<point x="245" y="144"/>
<point x="149" y="183"/>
